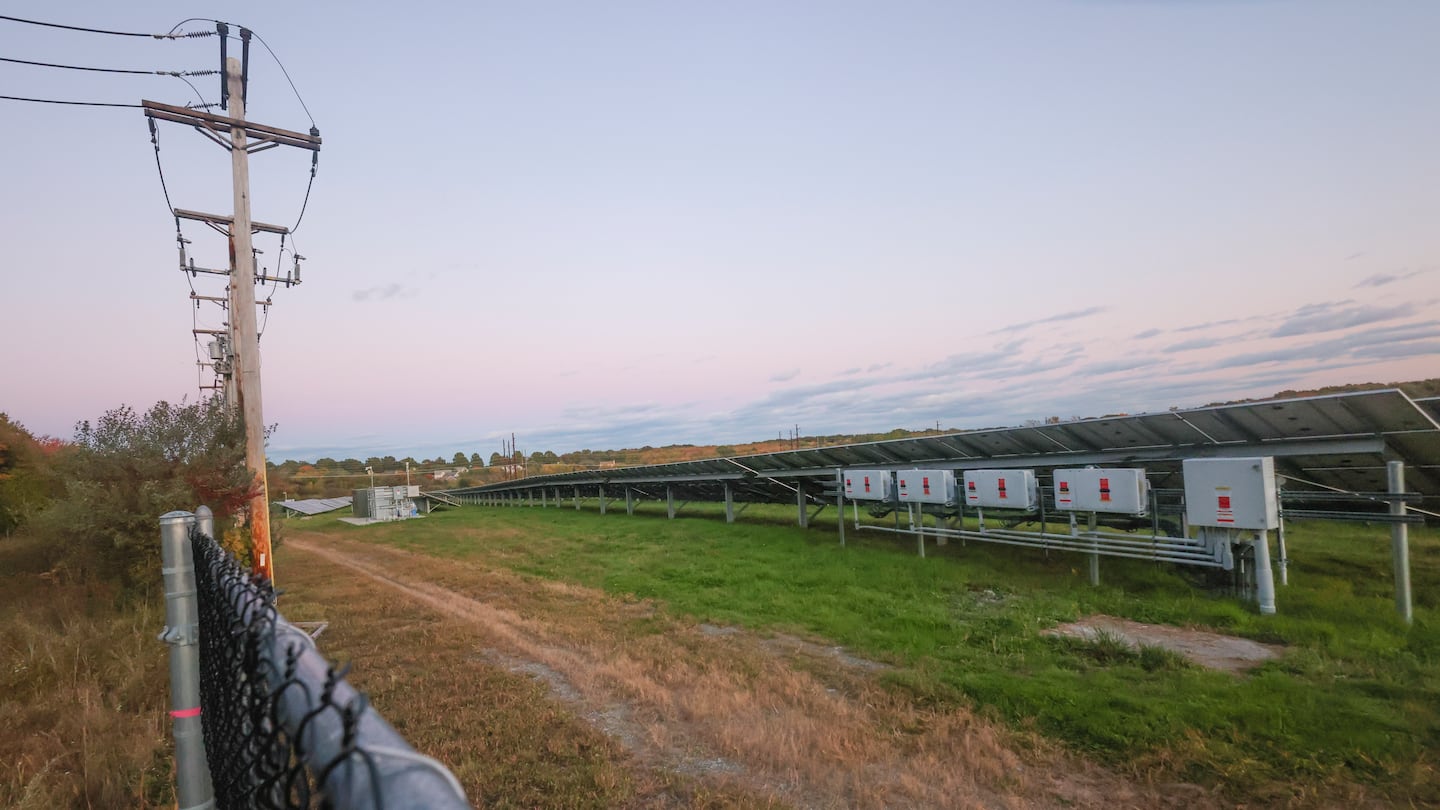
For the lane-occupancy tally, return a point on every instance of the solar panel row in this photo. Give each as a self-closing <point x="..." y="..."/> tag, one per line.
<point x="1340" y="441"/>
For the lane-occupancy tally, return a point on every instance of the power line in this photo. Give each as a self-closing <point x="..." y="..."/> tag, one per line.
<point x="178" y="73"/>
<point x="314" y="162"/>
<point x="72" y="103"/>
<point x="171" y="35"/>
<point x="293" y="89"/>
<point x="155" y="140"/>
<point x="270" y="50"/>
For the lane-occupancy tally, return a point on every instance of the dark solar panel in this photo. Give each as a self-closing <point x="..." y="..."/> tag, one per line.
<point x="1339" y="440"/>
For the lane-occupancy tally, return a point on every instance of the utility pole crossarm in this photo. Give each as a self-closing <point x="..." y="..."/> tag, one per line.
<point x="225" y="125"/>
<point x="221" y="219"/>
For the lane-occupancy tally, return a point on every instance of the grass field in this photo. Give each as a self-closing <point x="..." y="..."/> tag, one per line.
<point x="83" y="692"/>
<point x="1355" y="700"/>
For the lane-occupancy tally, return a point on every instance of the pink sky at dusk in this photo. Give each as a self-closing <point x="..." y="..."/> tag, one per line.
<point x="639" y="224"/>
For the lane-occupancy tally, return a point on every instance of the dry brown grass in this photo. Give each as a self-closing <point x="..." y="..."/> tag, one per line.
<point x="736" y="715"/>
<point x="437" y="680"/>
<point x="83" y="693"/>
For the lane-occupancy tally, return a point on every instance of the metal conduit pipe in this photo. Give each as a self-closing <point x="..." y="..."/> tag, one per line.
<point x="1112" y="539"/>
<point x="1136" y="551"/>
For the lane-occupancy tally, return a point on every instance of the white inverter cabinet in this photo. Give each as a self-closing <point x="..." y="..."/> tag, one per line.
<point x="1001" y="489"/>
<point x="1231" y="493"/>
<point x="1091" y="489"/>
<point x="868" y="485"/>
<point x="926" y="486"/>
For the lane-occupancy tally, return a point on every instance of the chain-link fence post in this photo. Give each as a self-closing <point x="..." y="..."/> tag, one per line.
<point x="193" y="790"/>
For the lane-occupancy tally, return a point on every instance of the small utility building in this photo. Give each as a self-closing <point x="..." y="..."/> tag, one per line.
<point x="386" y="503"/>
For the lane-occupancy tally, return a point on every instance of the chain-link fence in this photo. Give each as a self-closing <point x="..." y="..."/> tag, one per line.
<point x="282" y="728"/>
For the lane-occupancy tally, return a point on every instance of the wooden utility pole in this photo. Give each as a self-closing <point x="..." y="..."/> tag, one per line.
<point x="242" y="325"/>
<point x="240" y="137"/>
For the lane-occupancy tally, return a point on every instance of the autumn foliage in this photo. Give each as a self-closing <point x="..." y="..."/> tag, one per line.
<point x="126" y="470"/>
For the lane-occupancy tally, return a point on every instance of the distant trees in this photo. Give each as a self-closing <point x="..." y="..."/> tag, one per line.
<point x="27" y="479"/>
<point x="459" y="460"/>
<point x="476" y="460"/>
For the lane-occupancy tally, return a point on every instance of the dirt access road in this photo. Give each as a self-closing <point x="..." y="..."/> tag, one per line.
<point x="521" y="684"/>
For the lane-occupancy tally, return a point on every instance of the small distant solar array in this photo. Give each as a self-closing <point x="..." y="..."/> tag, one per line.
<point x="315" y="506"/>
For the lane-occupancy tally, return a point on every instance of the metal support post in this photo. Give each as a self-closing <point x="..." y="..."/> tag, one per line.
<point x="670" y="502"/>
<point x="919" y="527"/>
<point x="205" y="521"/>
<point x="840" y="507"/>
<point x="601" y="488"/>
<point x="729" y="504"/>
<point x="529" y="497"/>
<point x="629" y="501"/>
<point x="1280" y="535"/>
<point x="577" y="499"/>
<point x="1264" y="578"/>
<point x="1400" y="540"/>
<point x="542" y="498"/>
<point x="1090" y="525"/>
<point x="182" y="633"/>
<point x="801" y="519"/>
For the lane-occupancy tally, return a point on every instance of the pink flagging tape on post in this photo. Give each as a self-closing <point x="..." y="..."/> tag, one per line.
<point x="195" y="712"/>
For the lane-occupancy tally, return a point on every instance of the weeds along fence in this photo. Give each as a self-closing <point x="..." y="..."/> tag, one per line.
<point x="261" y="719"/>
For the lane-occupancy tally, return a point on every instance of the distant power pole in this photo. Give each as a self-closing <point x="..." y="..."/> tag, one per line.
<point x="246" y="342"/>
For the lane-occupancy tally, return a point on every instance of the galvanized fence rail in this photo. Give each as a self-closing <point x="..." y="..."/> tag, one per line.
<point x="261" y="718"/>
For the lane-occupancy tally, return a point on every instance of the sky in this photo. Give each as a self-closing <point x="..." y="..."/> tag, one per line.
<point x="603" y="225"/>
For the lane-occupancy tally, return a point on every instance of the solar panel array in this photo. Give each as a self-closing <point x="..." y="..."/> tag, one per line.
<point x="1341" y="441"/>
<point x="316" y="506"/>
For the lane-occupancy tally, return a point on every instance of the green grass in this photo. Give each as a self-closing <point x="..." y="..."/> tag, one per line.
<point x="1356" y="696"/>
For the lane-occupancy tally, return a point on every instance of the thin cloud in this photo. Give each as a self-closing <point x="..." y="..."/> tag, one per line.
<point x="1395" y="351"/>
<point x="1208" y="325"/>
<point x="1314" y="320"/>
<point x="785" y="376"/>
<point x="1192" y="344"/>
<point x="1074" y="315"/>
<point x="1381" y="279"/>
<point x="1148" y="333"/>
<point x="382" y="293"/>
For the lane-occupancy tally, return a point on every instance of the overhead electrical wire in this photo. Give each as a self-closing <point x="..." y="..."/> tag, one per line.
<point x="315" y="157"/>
<point x="178" y="73"/>
<point x="69" y="103"/>
<point x="170" y="35"/>
<point x="155" y="141"/>
<point x="154" y="134"/>
<point x="286" y="73"/>
<point x="268" y="49"/>
<point x="314" y="163"/>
